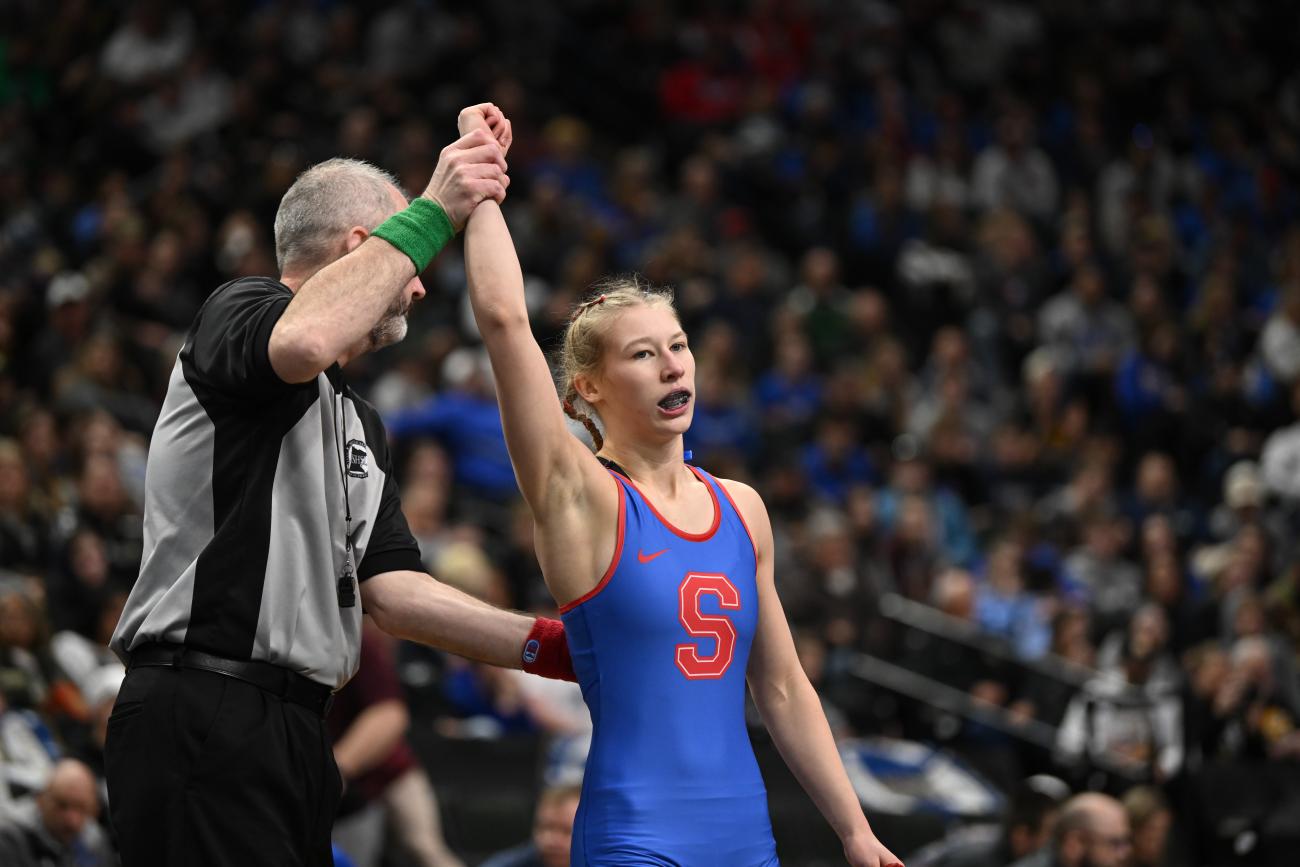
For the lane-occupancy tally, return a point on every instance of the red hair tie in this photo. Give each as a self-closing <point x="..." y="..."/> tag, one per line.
<point x="584" y="307"/>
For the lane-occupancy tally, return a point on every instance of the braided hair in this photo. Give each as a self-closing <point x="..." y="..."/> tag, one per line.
<point x="583" y="347"/>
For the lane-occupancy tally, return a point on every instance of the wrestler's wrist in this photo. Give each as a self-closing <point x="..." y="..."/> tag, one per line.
<point x="546" y="651"/>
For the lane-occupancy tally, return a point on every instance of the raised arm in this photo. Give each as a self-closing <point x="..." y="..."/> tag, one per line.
<point x="791" y="709"/>
<point x="553" y="467"/>
<point x="337" y="306"/>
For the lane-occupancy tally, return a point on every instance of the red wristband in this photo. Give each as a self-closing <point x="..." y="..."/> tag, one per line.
<point x="546" y="651"/>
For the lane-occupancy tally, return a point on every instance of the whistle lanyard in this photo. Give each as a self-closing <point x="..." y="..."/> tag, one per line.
<point x="346" y="583"/>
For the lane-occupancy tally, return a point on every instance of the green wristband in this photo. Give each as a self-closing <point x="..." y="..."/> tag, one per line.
<point x="420" y="231"/>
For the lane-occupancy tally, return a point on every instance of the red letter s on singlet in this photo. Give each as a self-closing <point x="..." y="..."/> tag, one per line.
<point x="716" y="626"/>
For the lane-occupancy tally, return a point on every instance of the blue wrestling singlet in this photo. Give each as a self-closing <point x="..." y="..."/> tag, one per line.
<point x="660" y="647"/>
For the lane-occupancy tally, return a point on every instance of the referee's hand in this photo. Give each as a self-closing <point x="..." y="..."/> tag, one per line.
<point x="470" y="170"/>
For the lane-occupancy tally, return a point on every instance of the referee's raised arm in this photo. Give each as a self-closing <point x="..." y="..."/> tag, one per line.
<point x="272" y="517"/>
<point x="336" y="305"/>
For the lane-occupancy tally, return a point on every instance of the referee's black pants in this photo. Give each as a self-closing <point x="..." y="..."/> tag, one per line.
<point x="204" y="769"/>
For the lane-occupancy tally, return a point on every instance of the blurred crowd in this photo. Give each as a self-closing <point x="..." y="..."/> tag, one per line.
<point x="997" y="303"/>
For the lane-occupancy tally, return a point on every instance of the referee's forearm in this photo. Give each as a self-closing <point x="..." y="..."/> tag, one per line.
<point x="416" y="607"/>
<point x="336" y="307"/>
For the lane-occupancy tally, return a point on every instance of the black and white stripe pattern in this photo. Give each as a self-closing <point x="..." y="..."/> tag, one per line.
<point x="244" y="504"/>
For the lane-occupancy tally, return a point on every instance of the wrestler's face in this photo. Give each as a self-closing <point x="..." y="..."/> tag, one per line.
<point x="645" y="388"/>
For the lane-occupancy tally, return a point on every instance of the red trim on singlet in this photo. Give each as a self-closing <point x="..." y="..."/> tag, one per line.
<point x="689" y="537"/>
<point x="613" y="561"/>
<point x="741" y="516"/>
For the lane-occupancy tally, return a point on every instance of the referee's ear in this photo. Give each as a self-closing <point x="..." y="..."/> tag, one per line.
<point x="356" y="237"/>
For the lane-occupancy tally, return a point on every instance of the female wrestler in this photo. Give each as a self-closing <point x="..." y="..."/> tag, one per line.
<point x="663" y="574"/>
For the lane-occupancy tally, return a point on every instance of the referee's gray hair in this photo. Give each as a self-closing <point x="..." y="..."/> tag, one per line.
<point x="323" y="203"/>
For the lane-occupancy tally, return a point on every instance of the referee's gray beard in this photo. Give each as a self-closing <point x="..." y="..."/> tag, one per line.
<point x="392" y="328"/>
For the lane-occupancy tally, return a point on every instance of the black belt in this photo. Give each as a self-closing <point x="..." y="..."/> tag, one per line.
<point x="281" y="682"/>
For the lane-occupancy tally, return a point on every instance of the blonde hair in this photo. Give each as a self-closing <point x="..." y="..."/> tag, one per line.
<point x="583" y="348"/>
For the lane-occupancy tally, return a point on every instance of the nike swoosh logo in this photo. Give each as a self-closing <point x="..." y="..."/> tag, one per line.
<point x="646" y="558"/>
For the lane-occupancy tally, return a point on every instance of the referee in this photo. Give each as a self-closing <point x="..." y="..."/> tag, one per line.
<point x="272" y="520"/>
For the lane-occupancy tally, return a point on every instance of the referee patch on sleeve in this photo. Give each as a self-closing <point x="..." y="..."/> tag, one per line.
<point x="358" y="459"/>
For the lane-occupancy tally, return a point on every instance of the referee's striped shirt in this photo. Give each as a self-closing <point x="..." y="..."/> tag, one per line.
<point x="244" y="501"/>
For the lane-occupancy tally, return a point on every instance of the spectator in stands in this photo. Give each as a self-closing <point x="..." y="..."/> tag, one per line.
<point x="1156" y="491"/>
<point x="1014" y="172"/>
<point x="950" y="354"/>
<point x="1090" y="490"/>
<point x="1124" y="718"/>
<point x="1045" y="695"/>
<point x="57" y="826"/>
<point x="821" y="300"/>
<point x="1149" y="386"/>
<point x="1279" y="342"/>
<point x="557" y="807"/>
<point x="1092" y="831"/>
<point x="101" y="375"/>
<point x="1282" y="601"/>
<point x="836" y="589"/>
<point x="1089" y="333"/>
<point x="1145" y="637"/>
<point x="1145" y="172"/>
<point x="949" y="403"/>
<point x="151" y="43"/>
<point x="427" y="500"/>
<point x="39" y="437"/>
<point x="790" y="393"/>
<point x="100" y="689"/>
<point x="1027" y="826"/>
<point x="1248" y="714"/>
<point x="725" y="426"/>
<point x="1097" y="573"/>
<point x="1151" y="820"/>
<point x="1244" y="501"/>
<point x="104" y="508"/>
<point x="464" y="418"/>
<point x="68" y="327"/>
<point x="384" y="785"/>
<point x="488" y="701"/>
<point x="30" y="675"/>
<point x="813" y="658"/>
<point x="834" y="461"/>
<point x="1206" y="667"/>
<point x="1279" y="460"/>
<point x="78" y="591"/>
<point x="912" y="552"/>
<point x="24" y="531"/>
<point x="955" y="663"/>
<point x="1058" y="418"/>
<point x="519" y="564"/>
<point x="1005" y="608"/>
<point x="1191" y="619"/>
<point x="941" y="178"/>
<point x="911" y="486"/>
